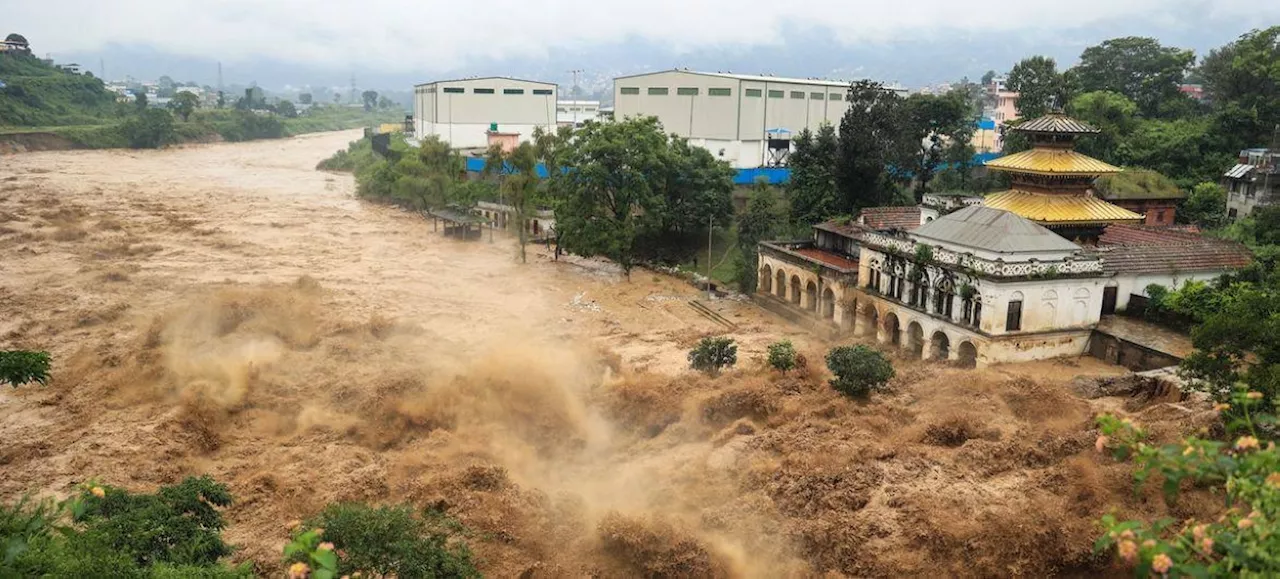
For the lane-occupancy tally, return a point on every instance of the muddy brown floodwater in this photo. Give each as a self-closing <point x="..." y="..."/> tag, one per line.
<point x="227" y="309"/>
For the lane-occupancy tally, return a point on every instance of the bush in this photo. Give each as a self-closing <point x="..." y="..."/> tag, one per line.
<point x="150" y="129"/>
<point x="19" y="367"/>
<point x="1245" y="541"/>
<point x="782" y="356"/>
<point x="858" y="370"/>
<point x="104" y="532"/>
<point x="383" y="541"/>
<point x="713" y="354"/>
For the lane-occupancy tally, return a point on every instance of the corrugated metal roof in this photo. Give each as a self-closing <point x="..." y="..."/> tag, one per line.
<point x="758" y="78"/>
<point x="1239" y="171"/>
<point x="1052" y="162"/>
<point x="1060" y="208"/>
<point x="1056" y="123"/>
<point x="992" y="230"/>
<point x="485" y="78"/>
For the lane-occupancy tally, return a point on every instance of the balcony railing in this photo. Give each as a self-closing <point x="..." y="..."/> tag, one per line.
<point x="1079" y="265"/>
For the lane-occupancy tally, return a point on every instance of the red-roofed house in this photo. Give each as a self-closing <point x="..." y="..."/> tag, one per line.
<point x="896" y="218"/>
<point x="1136" y="256"/>
<point x="812" y="278"/>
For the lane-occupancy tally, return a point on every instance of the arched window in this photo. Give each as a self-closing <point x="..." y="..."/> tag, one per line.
<point x="944" y="295"/>
<point x="1013" y="316"/>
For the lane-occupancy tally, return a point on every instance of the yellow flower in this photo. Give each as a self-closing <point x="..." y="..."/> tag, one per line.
<point x="1149" y="543"/>
<point x="1247" y="443"/>
<point x="1161" y="563"/>
<point x="1198" y="531"/>
<point x="326" y="546"/>
<point x="1245" y="523"/>
<point x="1101" y="444"/>
<point x="1128" y="551"/>
<point x="298" y="570"/>
<point x="1273" y="479"/>
<point x="319" y="532"/>
<point x="1253" y="395"/>
<point x="1188" y="451"/>
<point x="1127" y="534"/>
<point x="1221" y="407"/>
<point x="98" y="492"/>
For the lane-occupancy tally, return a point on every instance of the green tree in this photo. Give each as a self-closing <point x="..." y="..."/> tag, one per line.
<point x="858" y="370"/>
<point x="184" y="103"/>
<point x="370" y="99"/>
<point x="1141" y="69"/>
<point x="140" y="99"/>
<point x="165" y="87"/>
<point x="286" y="109"/>
<point x="932" y="122"/>
<point x="222" y="100"/>
<point x="811" y="190"/>
<point x="1111" y="113"/>
<point x="782" y="356"/>
<point x="711" y="355"/>
<point x="1181" y="149"/>
<point x="518" y="185"/>
<point x="871" y="139"/>
<point x="1039" y="85"/>
<point x="18" y="367"/>
<point x="1205" y="207"/>
<point x="988" y="77"/>
<point x="1243" y="81"/>
<point x="761" y="220"/>
<point x="304" y="98"/>
<point x="337" y="98"/>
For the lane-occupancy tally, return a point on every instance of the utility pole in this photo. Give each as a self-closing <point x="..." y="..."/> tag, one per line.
<point x="710" y="224"/>
<point x="353" y="87"/>
<point x="574" y="90"/>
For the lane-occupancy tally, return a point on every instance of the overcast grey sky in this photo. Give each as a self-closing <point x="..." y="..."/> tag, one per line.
<point x="425" y="36"/>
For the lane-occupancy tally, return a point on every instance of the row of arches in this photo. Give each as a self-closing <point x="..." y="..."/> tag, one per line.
<point x="938" y="346"/>
<point x="802" y="294"/>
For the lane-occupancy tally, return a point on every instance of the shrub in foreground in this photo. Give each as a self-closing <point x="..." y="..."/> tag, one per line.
<point x="1244" y="541"/>
<point x="379" y="541"/>
<point x="714" y="354"/>
<point x="782" y="356"/>
<point x="858" y="370"/>
<point x="18" y="367"/>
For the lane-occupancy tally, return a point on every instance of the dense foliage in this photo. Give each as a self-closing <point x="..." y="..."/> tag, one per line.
<point x="40" y="94"/>
<point x="782" y="356"/>
<point x="105" y="531"/>
<point x="1245" y="540"/>
<point x="389" y="541"/>
<point x="858" y="370"/>
<point x="18" y="367"/>
<point x="713" y="354"/>
<point x="762" y="219"/>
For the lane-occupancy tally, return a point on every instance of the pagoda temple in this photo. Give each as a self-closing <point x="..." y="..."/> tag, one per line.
<point x="1052" y="183"/>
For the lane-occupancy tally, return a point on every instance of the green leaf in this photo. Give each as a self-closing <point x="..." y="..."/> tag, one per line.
<point x="325" y="558"/>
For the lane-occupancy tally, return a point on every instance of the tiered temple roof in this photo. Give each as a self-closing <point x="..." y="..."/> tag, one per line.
<point x="1052" y="184"/>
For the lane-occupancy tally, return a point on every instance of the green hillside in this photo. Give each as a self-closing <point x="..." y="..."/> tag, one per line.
<point x="40" y="94"/>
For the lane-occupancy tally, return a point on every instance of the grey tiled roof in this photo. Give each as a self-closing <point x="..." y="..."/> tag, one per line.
<point x="992" y="230"/>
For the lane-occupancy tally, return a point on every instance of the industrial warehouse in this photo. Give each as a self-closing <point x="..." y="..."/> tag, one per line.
<point x="468" y="113"/>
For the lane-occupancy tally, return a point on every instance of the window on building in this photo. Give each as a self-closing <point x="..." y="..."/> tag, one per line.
<point x="630" y="90"/>
<point x="754" y="92"/>
<point x="542" y="91"/>
<point x="512" y="91"/>
<point x="454" y="90"/>
<point x="482" y="90"/>
<point x="1013" y="322"/>
<point x="817" y="96"/>
<point x="835" y="96"/>
<point x="658" y="90"/>
<point x="590" y="109"/>
<point x="1231" y="214"/>
<point x="797" y="94"/>
<point x="1160" y="216"/>
<point x="687" y="91"/>
<point x="431" y="90"/>
<point x="720" y="91"/>
<point x="575" y="109"/>
<point x="775" y="94"/>
<point x="561" y="110"/>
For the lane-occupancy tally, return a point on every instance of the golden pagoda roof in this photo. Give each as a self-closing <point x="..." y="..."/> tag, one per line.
<point x="1047" y="161"/>
<point x="1059" y="209"/>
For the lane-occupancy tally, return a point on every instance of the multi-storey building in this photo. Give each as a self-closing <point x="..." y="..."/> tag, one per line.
<point x="1253" y="182"/>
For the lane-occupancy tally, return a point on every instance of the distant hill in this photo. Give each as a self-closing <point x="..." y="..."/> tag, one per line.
<point x="38" y="94"/>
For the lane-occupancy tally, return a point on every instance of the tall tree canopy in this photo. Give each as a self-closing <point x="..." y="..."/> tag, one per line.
<point x="812" y="188"/>
<point x="1039" y="85"/>
<point x="634" y="192"/>
<point x="1110" y="112"/>
<point x="871" y="140"/>
<point x="935" y="123"/>
<point x="761" y="221"/>
<point x="1243" y="81"/>
<point x="1139" y="68"/>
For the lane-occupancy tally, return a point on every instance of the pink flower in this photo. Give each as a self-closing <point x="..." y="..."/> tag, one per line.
<point x="1207" y="544"/>
<point x="1161" y="563"/>
<point x="1244" y="523"/>
<point x="1253" y="395"/>
<point x="1128" y="551"/>
<point x="1198" y="531"/>
<point x="1101" y="444"/>
<point x="1149" y="543"/>
<point x="1221" y="407"/>
<point x="326" y="546"/>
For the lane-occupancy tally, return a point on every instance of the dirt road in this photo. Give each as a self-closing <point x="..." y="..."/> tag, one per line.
<point x="227" y="309"/>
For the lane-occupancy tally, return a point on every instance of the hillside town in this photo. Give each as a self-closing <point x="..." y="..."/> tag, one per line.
<point x="694" y="323"/>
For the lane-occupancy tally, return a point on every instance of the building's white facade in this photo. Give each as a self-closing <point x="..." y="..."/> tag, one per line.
<point x="576" y="112"/>
<point x="729" y="114"/>
<point x="463" y="111"/>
